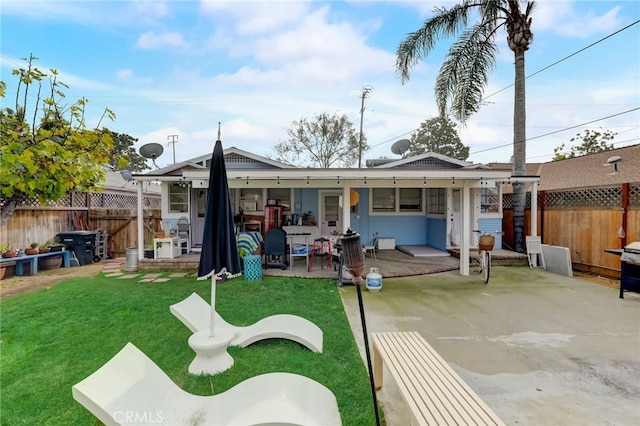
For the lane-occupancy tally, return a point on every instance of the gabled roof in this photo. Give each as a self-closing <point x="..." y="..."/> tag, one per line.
<point x="592" y="170"/>
<point x="235" y="158"/>
<point x="428" y="160"/>
<point x="531" y="169"/>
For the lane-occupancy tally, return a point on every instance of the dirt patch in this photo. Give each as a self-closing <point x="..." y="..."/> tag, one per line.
<point x="598" y="279"/>
<point x="18" y="285"/>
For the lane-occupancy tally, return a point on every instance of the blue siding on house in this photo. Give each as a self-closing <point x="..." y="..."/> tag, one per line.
<point x="489" y="226"/>
<point x="437" y="233"/>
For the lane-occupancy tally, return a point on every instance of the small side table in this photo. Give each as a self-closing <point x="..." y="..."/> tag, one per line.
<point x="166" y="248"/>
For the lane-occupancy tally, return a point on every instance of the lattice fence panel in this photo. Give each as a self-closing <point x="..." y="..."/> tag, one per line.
<point x="507" y="201"/>
<point x="634" y="195"/>
<point x="590" y="197"/>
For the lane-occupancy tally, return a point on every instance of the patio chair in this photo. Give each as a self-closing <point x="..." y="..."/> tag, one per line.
<point x="275" y="248"/>
<point x="194" y="312"/>
<point x="371" y="248"/>
<point x="131" y="389"/>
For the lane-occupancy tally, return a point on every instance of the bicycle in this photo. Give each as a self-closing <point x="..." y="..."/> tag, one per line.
<point x="485" y="246"/>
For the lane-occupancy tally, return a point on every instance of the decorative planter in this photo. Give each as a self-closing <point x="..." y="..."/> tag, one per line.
<point x="56" y="248"/>
<point x="9" y="254"/>
<point x="45" y="249"/>
<point x="30" y="251"/>
<point x="2" y="271"/>
<point x="50" y="262"/>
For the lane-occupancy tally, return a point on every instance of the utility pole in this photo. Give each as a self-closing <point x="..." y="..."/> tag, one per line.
<point x="173" y="141"/>
<point x="365" y="92"/>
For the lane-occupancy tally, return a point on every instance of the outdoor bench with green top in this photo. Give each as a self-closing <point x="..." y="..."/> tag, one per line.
<point x="32" y="260"/>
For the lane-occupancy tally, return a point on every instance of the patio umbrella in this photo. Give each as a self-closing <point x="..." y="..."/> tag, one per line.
<point x="219" y="259"/>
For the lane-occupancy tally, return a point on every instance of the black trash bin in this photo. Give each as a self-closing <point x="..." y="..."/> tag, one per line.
<point x="82" y="243"/>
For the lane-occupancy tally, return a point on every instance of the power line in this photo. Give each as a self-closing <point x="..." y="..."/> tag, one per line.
<point x="567" y="57"/>
<point x="559" y="131"/>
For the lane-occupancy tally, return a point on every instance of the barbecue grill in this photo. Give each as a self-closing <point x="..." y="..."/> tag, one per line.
<point x="629" y="268"/>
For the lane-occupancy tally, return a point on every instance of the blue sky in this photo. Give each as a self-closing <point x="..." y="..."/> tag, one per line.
<point x="180" y="67"/>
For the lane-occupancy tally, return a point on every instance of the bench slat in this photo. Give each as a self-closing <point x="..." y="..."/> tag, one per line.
<point x="432" y="389"/>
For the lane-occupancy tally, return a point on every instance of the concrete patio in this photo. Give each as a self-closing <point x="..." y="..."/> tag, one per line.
<point x="539" y="348"/>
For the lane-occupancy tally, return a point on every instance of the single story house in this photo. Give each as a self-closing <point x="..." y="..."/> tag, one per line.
<point x="429" y="199"/>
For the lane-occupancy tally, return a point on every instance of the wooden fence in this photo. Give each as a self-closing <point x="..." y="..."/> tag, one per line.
<point x="115" y="213"/>
<point x="587" y="221"/>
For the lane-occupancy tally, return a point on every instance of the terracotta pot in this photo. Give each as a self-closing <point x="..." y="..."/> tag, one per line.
<point x="8" y="254"/>
<point x="2" y="271"/>
<point x="159" y="234"/>
<point x="45" y="249"/>
<point x="29" y="251"/>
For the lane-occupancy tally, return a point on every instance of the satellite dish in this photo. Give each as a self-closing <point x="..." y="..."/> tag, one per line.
<point x="126" y="175"/>
<point x="401" y="146"/>
<point x="151" y="151"/>
<point x="613" y="161"/>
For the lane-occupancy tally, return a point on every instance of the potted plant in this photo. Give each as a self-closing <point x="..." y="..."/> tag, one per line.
<point x="56" y="245"/>
<point x="45" y="247"/>
<point x="32" y="250"/>
<point x="8" y="251"/>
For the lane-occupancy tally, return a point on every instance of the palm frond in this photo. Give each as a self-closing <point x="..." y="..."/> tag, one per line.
<point x="465" y="71"/>
<point x="417" y="45"/>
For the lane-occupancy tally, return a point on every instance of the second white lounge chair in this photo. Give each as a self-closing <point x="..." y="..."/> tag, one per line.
<point x="195" y="313"/>
<point x="131" y="389"/>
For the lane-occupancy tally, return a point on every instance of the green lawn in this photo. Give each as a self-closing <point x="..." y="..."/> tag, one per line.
<point x="53" y="338"/>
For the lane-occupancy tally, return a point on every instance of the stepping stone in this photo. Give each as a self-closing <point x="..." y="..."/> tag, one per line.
<point x="161" y="280"/>
<point x="178" y="275"/>
<point x="114" y="274"/>
<point x="128" y="276"/>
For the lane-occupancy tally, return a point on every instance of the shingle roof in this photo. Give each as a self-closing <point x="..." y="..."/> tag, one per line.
<point x="590" y="170"/>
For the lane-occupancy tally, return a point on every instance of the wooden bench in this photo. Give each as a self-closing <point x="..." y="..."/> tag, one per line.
<point x="33" y="261"/>
<point x="435" y="394"/>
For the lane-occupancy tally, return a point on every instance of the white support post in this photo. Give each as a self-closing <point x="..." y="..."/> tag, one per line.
<point x="346" y="206"/>
<point x="465" y="232"/>
<point x="140" y="222"/>
<point x="534" y="219"/>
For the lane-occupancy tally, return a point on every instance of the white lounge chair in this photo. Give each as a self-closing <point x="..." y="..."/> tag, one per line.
<point x="131" y="389"/>
<point x="195" y="313"/>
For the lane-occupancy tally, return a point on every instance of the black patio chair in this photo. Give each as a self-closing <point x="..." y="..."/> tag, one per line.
<point x="275" y="249"/>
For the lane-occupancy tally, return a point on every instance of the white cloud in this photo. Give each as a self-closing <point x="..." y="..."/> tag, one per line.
<point x="562" y="17"/>
<point x="151" y="40"/>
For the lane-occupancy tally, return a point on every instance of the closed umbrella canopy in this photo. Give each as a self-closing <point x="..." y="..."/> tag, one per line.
<point x="219" y="257"/>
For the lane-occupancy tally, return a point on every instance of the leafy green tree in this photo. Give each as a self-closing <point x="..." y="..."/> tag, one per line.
<point x="125" y="156"/>
<point x="55" y="153"/>
<point x="324" y="142"/>
<point x="437" y="135"/>
<point x="465" y="70"/>
<point x="592" y="141"/>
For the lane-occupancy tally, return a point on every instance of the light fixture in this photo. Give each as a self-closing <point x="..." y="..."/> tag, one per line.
<point x="365" y="180"/>
<point x="453" y="181"/>
<point x="338" y="180"/>
<point x="425" y="182"/>
<point x="278" y="177"/>
<point x="307" y="180"/>
<point x="394" y="180"/>
<point x="247" y="180"/>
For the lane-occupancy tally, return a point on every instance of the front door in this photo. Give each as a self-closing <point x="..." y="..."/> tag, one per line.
<point x="199" y="207"/>
<point x="330" y="214"/>
<point x="455" y="224"/>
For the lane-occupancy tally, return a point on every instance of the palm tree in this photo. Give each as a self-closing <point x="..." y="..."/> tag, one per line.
<point x="464" y="73"/>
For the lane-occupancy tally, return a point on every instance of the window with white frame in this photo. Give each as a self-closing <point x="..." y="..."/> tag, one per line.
<point x="397" y="200"/>
<point x="281" y="195"/>
<point x="383" y="199"/>
<point x="178" y="198"/>
<point x="410" y="199"/>
<point x="436" y="200"/>
<point x="489" y="200"/>
<point x="251" y="199"/>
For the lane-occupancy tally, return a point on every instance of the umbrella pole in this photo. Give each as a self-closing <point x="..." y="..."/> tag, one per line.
<point x="213" y="305"/>
<point x="366" y="348"/>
